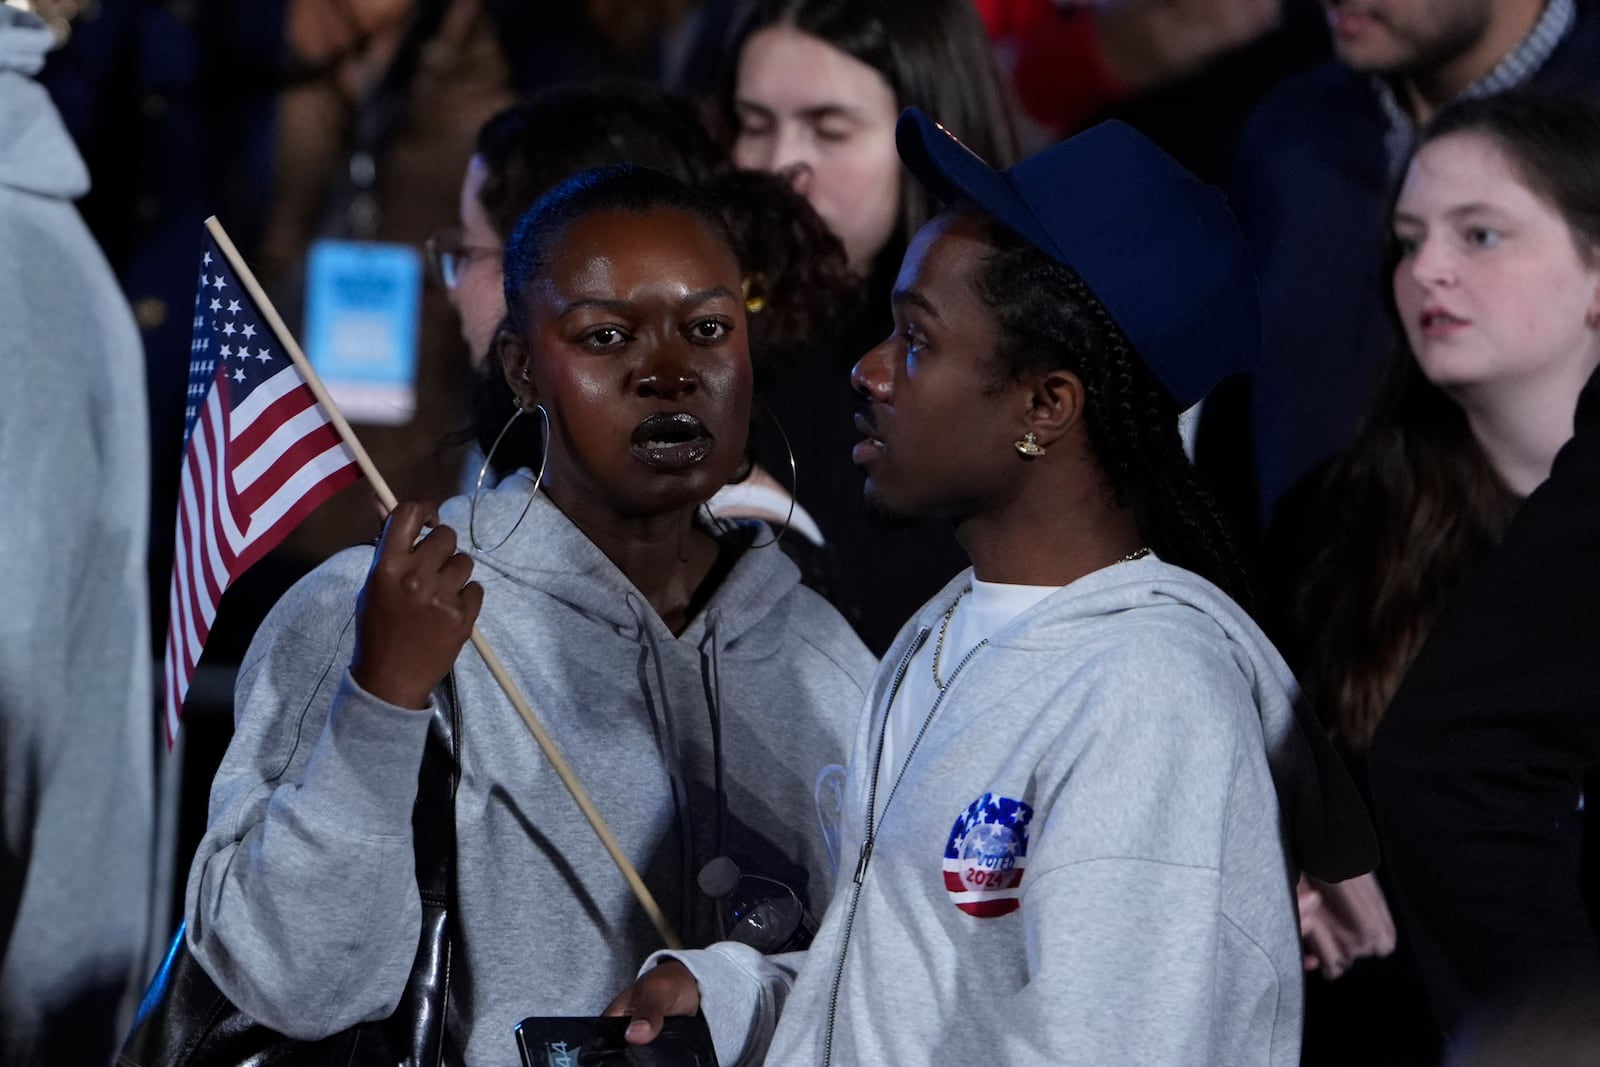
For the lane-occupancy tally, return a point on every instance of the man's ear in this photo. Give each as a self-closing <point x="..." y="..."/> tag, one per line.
<point x="1055" y="406"/>
<point x="513" y="354"/>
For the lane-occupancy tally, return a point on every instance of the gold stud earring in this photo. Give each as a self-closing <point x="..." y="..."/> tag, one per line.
<point x="755" y="300"/>
<point x="1029" y="445"/>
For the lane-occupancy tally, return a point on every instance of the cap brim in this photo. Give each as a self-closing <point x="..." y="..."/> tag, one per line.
<point x="951" y="171"/>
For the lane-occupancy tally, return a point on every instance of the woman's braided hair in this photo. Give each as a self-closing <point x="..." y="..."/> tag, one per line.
<point x="1049" y="319"/>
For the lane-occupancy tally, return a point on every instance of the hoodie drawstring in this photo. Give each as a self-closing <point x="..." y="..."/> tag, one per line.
<point x="663" y="725"/>
<point x="711" y="682"/>
<point x="666" y="735"/>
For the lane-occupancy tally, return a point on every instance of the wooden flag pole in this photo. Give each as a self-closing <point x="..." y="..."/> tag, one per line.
<point x="546" y="744"/>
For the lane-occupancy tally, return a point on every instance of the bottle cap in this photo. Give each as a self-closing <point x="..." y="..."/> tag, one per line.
<point x="719" y="877"/>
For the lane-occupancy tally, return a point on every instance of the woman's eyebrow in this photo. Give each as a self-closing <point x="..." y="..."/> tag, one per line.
<point x="1476" y="208"/>
<point x="619" y="307"/>
<point x="713" y="293"/>
<point x="585" y="302"/>
<point x="815" y="113"/>
<point x="823" y="112"/>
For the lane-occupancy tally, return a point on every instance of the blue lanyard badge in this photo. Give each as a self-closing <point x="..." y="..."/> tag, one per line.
<point x="362" y="303"/>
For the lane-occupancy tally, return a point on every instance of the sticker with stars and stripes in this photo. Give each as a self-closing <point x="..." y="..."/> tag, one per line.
<point x="986" y="854"/>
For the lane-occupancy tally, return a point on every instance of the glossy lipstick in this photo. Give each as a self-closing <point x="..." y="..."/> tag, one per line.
<point x="671" y="441"/>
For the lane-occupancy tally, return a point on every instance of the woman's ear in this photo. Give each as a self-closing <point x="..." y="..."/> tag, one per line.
<point x="1055" y="406"/>
<point x="513" y="354"/>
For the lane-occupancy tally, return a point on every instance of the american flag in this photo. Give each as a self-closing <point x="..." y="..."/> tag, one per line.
<point x="259" y="454"/>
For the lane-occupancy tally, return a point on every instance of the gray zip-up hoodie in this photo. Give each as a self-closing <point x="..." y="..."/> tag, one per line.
<point x="77" y="722"/>
<point x="1083" y="861"/>
<point x="302" y="902"/>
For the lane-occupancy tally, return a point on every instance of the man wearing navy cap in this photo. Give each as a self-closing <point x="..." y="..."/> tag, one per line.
<point x="1083" y="786"/>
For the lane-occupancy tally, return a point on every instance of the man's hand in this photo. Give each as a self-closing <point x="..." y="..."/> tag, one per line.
<point x="668" y="989"/>
<point x="416" y="610"/>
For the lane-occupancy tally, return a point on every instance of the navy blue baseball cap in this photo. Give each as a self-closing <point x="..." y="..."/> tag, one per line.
<point x="1158" y="247"/>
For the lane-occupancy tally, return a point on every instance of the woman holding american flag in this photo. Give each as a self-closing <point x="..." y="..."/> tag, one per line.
<point x="693" y="683"/>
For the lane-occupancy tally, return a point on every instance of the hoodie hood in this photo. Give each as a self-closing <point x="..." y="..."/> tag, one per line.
<point x="36" y="152"/>
<point x="548" y="552"/>
<point x="1326" y="823"/>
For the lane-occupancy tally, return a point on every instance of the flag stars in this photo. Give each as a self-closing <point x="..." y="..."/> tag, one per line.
<point x="217" y="283"/>
<point x="226" y="351"/>
<point x="205" y="260"/>
<point x="249" y="330"/>
<point x="233" y="307"/>
<point x="216" y="305"/>
<point x="263" y="355"/>
<point x="238" y="375"/>
<point x="228" y="329"/>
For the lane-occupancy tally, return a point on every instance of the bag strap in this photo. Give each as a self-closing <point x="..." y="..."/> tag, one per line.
<point x="433" y="820"/>
<point x="185" y="1021"/>
<point x="418" y="1024"/>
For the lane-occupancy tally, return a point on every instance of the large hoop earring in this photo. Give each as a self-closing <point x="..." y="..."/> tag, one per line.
<point x="544" y="459"/>
<point x="724" y="525"/>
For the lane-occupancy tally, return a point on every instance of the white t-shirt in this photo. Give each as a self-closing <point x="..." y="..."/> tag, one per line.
<point x="983" y="612"/>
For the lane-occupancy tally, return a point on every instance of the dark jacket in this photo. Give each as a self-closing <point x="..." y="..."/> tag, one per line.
<point x="1310" y="189"/>
<point x="1479" y="767"/>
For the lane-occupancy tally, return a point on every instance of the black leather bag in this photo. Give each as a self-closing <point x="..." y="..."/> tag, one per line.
<point x="185" y="1021"/>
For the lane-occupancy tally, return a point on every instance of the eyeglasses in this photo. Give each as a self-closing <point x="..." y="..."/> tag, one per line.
<point x="449" y="255"/>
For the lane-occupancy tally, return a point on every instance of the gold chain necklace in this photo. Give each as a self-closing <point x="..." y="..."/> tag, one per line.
<point x="938" y="649"/>
<point x="944" y="624"/>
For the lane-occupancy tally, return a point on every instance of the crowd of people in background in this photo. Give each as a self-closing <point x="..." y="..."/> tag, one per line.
<point x="1307" y="440"/>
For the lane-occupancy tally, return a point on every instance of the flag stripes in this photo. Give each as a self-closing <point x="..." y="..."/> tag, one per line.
<point x="259" y="455"/>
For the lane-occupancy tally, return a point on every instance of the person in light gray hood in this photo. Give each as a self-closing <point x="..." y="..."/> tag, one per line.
<point x="1087" y="782"/>
<point x="77" y="721"/>
<point x="697" y="689"/>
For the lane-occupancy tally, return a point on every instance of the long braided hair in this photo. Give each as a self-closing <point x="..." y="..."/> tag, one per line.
<point x="1049" y="319"/>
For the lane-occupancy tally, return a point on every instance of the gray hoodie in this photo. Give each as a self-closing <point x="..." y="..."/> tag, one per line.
<point x="302" y="902"/>
<point x="1084" y="861"/>
<point x="77" y="723"/>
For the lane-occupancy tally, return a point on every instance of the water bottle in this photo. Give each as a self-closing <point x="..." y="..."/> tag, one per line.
<point x="760" y="912"/>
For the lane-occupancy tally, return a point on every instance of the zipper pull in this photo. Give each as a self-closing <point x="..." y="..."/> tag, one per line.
<point x="861" y="864"/>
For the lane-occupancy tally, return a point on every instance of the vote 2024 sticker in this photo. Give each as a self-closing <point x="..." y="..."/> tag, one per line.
<point x="986" y="854"/>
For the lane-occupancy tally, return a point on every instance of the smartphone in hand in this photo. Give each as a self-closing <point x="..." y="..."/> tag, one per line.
<point x="553" y="1041"/>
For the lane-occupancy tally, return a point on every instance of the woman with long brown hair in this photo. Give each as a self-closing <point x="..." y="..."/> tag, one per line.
<point x="1495" y="291"/>
<point x="1495" y="262"/>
